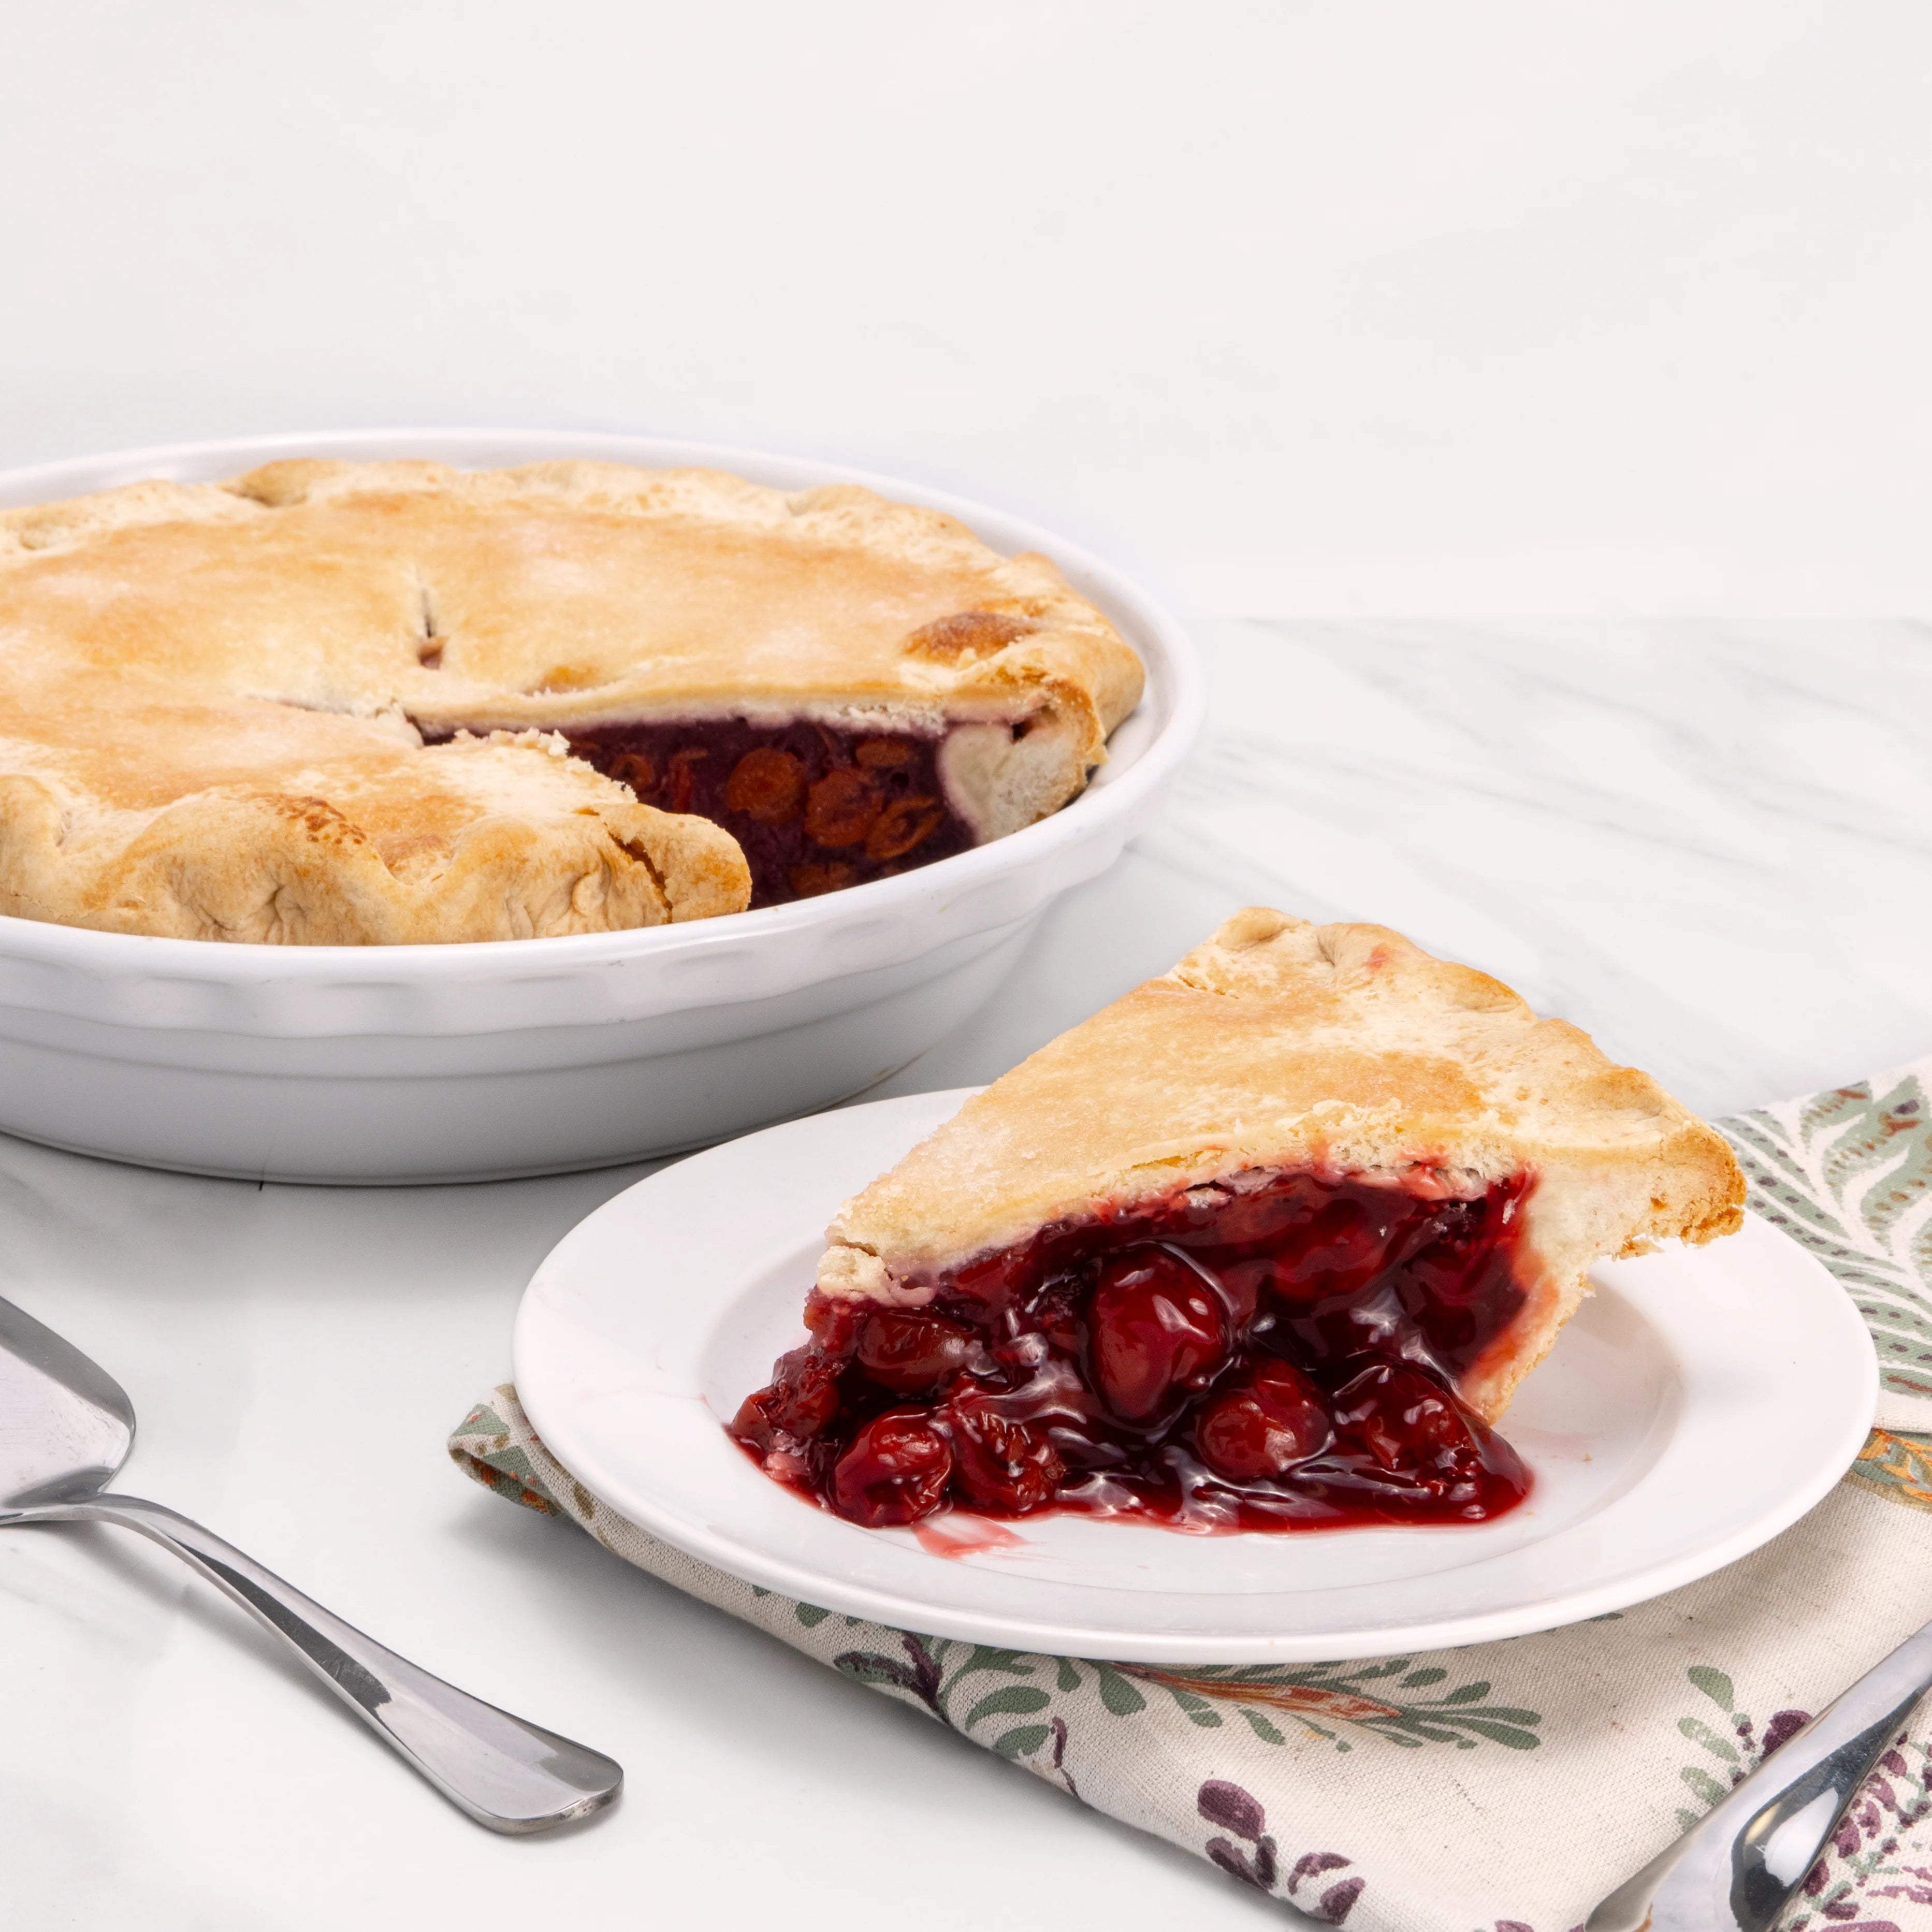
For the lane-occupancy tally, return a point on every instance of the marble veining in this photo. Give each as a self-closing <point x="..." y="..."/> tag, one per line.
<point x="1709" y="844"/>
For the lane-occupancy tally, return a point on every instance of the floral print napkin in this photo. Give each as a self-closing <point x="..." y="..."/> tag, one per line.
<point x="1508" y="1786"/>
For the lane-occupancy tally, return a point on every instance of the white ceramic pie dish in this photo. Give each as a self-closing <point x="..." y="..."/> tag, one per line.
<point x="395" y="1064"/>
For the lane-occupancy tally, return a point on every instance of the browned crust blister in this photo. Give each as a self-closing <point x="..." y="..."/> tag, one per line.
<point x="1340" y="1050"/>
<point x="215" y="698"/>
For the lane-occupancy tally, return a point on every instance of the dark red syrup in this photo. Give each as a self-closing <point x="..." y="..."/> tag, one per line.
<point x="815" y="809"/>
<point x="1281" y="1355"/>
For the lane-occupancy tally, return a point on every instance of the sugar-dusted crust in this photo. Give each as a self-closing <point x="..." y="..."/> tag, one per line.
<point x="186" y="670"/>
<point x="1337" y="1050"/>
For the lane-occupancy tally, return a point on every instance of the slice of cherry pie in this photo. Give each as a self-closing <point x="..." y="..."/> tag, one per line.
<point x="245" y="711"/>
<point x="1268" y="1244"/>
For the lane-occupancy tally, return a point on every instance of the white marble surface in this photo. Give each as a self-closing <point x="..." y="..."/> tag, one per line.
<point x="1706" y="842"/>
<point x="1503" y="308"/>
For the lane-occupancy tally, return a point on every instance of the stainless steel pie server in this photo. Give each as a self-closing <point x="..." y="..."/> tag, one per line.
<point x="1736" y="1870"/>
<point x="66" y="1427"/>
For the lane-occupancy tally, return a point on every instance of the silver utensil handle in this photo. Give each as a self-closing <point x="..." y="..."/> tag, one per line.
<point x="510" y="1775"/>
<point x="1738" y="1867"/>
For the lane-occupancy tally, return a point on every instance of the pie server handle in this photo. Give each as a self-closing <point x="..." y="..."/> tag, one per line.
<point x="507" y="1774"/>
<point x="1735" y="1870"/>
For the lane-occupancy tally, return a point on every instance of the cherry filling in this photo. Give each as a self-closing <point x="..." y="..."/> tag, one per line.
<point x="1274" y="1352"/>
<point x="815" y="809"/>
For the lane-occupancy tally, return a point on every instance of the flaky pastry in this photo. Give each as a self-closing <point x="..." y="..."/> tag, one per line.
<point x="332" y="703"/>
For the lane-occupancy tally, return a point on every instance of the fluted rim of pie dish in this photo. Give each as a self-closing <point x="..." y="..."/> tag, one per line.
<point x="990" y="887"/>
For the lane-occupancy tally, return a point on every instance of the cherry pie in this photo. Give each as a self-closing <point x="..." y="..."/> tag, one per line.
<point x="333" y="702"/>
<point x="1268" y="1244"/>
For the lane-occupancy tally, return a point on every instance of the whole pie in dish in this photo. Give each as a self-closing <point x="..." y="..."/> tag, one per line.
<point x="1268" y="1244"/>
<point x="340" y="703"/>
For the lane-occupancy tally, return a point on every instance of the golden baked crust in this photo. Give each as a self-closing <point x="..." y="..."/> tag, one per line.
<point x="186" y="670"/>
<point x="351" y="835"/>
<point x="1342" y="1051"/>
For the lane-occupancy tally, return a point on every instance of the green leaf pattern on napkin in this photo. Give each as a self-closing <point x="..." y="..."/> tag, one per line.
<point x="1849" y="1173"/>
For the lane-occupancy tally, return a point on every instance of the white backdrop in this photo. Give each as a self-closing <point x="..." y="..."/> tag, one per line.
<point x="1486" y="308"/>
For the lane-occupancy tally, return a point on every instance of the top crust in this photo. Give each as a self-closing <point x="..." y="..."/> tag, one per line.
<point x="166" y="649"/>
<point x="1337" y="1050"/>
<point x="346" y="840"/>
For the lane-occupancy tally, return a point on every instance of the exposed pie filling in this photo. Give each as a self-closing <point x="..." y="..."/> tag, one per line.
<point x="815" y="808"/>
<point x="1276" y="1355"/>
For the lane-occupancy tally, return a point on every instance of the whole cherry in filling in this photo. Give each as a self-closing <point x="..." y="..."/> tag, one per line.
<point x="896" y="1470"/>
<point x="1157" y="1330"/>
<point x="1276" y="1352"/>
<point x="1263" y="1424"/>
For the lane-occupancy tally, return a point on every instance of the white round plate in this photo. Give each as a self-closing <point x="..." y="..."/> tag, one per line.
<point x="1702" y="1400"/>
